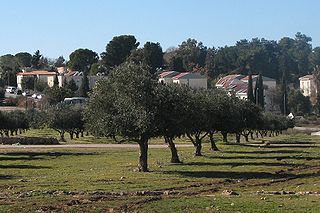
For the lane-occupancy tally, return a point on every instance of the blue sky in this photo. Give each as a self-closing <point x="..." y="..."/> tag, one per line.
<point x="58" y="27"/>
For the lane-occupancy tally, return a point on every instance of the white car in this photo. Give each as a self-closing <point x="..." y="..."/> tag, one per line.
<point x="40" y="96"/>
<point x="34" y="95"/>
<point x="10" y="89"/>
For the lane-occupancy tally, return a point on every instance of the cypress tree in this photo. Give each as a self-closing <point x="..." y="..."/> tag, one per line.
<point x="284" y="95"/>
<point x="258" y="92"/>
<point x="56" y="81"/>
<point x="84" y="87"/>
<point x="250" y="95"/>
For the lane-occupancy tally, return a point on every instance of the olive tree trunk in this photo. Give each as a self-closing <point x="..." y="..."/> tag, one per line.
<point x="225" y="136"/>
<point x="143" y="155"/>
<point x="173" y="149"/>
<point x="212" y="142"/>
<point x="238" y="137"/>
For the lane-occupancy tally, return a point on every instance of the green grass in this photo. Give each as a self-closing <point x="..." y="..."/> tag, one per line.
<point x="97" y="180"/>
<point x="46" y="132"/>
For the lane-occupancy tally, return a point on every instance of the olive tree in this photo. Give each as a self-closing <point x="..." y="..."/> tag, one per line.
<point x="123" y="105"/>
<point x="171" y="102"/>
<point x="61" y="118"/>
<point x="197" y="124"/>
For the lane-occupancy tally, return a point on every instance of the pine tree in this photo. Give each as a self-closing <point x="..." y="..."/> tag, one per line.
<point x="250" y="88"/>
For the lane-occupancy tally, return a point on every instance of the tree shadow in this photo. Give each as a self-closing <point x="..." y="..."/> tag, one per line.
<point x="239" y="175"/>
<point x="281" y="145"/>
<point x="6" y="177"/>
<point x="264" y="152"/>
<point x="9" y="158"/>
<point x="279" y="157"/>
<point x="32" y="155"/>
<point x="237" y="164"/>
<point x="23" y="167"/>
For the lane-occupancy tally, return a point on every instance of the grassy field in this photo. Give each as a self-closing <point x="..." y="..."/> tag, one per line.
<point x="283" y="176"/>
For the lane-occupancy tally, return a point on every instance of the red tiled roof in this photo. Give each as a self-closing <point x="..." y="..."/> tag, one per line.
<point x="306" y="77"/>
<point x="70" y="73"/>
<point x="166" y="73"/>
<point x="228" y="78"/>
<point x="246" y="78"/>
<point x="181" y="75"/>
<point x="36" y="72"/>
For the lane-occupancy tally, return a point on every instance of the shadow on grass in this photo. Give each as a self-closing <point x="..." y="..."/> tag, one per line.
<point x="10" y="158"/>
<point x="289" y="146"/>
<point x="264" y="152"/>
<point x="280" y="157"/>
<point x="49" y="154"/>
<point x="236" y="164"/>
<point x="23" y="167"/>
<point x="6" y="177"/>
<point x="239" y="175"/>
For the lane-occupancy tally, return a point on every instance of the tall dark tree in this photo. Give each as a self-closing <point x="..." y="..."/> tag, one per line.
<point x="225" y="60"/>
<point x="153" y="55"/>
<point x="209" y="63"/>
<point x="23" y="59"/>
<point x="56" y="81"/>
<point x="192" y="53"/>
<point x="176" y="64"/>
<point x="284" y="95"/>
<point x="302" y="53"/>
<point x="250" y="88"/>
<point x="84" y="87"/>
<point x="259" y="91"/>
<point x="118" y="50"/>
<point x="59" y="62"/>
<point x="8" y="69"/>
<point x="35" y="60"/>
<point x="314" y="57"/>
<point x="82" y="60"/>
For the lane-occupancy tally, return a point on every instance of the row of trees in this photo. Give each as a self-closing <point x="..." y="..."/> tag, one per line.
<point x="288" y="58"/>
<point x="130" y="103"/>
<point x="13" y="122"/>
<point x="61" y="118"/>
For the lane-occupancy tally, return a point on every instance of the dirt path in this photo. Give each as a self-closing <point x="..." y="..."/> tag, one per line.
<point x="87" y="146"/>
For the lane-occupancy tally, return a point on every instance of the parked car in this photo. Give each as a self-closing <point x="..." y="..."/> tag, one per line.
<point x="75" y="100"/>
<point x="26" y="93"/>
<point x="18" y="92"/>
<point x="40" y="96"/>
<point x="11" y="89"/>
<point x="34" y="95"/>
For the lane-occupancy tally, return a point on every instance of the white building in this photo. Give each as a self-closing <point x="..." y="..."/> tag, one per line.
<point x="166" y="77"/>
<point x="308" y="85"/>
<point x="77" y="77"/>
<point x="42" y="75"/>
<point x="238" y="85"/>
<point x="193" y="80"/>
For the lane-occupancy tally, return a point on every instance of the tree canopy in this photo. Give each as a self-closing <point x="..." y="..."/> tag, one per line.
<point x="82" y="60"/>
<point x="118" y="50"/>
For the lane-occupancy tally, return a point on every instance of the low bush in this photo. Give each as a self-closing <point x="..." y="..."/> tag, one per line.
<point x="29" y="141"/>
